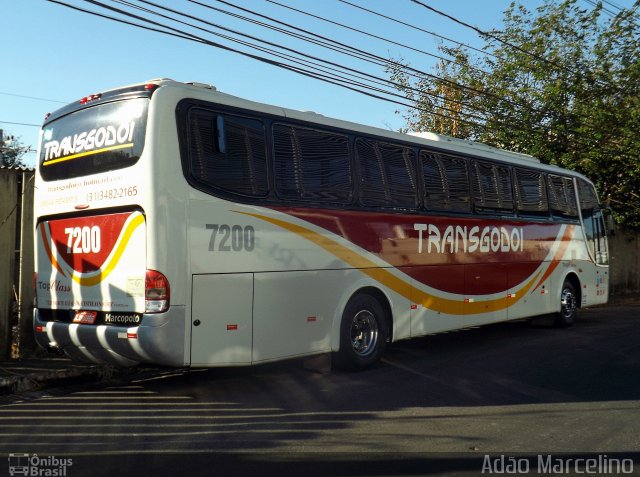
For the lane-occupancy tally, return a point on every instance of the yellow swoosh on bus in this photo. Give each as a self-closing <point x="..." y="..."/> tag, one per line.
<point x="400" y="286"/>
<point x="555" y="261"/>
<point x="115" y="257"/>
<point x="104" y="271"/>
<point x="49" y="252"/>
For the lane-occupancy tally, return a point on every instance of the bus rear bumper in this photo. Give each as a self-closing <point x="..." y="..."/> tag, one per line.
<point x="159" y="339"/>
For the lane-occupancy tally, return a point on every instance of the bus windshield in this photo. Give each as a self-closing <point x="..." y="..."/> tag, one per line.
<point x="103" y="137"/>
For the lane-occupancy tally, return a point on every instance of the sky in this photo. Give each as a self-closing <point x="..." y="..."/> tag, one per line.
<point x="52" y="55"/>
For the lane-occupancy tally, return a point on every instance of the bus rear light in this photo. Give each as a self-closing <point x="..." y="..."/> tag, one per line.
<point x="156" y="292"/>
<point x="40" y="329"/>
<point x="91" y="97"/>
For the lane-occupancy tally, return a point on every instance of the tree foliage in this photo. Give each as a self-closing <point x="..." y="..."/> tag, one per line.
<point x="12" y="151"/>
<point x="561" y="83"/>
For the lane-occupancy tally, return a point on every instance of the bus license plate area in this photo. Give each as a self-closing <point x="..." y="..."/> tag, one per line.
<point x="85" y="317"/>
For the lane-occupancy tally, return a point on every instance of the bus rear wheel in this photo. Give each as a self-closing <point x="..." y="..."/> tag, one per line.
<point x="568" y="313"/>
<point x="363" y="333"/>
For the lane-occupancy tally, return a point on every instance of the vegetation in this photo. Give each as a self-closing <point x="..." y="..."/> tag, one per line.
<point x="11" y="151"/>
<point x="561" y="83"/>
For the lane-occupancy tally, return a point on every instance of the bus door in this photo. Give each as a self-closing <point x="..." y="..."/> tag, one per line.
<point x="597" y="289"/>
<point x="595" y="235"/>
<point x="593" y="223"/>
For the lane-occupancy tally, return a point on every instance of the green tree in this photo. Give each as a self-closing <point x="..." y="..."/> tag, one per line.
<point x="560" y="83"/>
<point x="11" y="151"/>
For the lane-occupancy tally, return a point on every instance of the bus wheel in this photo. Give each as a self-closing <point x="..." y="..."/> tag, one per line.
<point x="568" y="306"/>
<point x="363" y="333"/>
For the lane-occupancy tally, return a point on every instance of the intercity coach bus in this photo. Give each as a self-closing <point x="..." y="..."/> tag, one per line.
<point x="182" y="226"/>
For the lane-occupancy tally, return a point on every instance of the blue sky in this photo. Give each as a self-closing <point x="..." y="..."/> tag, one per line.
<point x="57" y="54"/>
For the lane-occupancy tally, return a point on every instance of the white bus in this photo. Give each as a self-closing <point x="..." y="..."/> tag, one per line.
<point x="186" y="227"/>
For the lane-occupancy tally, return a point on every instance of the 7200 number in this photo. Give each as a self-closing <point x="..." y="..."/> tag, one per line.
<point x="227" y="238"/>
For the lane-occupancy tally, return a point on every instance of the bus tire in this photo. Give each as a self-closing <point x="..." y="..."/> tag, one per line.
<point x="568" y="313"/>
<point x="363" y="333"/>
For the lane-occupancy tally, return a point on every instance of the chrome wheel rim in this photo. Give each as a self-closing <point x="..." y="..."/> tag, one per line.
<point x="567" y="303"/>
<point x="364" y="333"/>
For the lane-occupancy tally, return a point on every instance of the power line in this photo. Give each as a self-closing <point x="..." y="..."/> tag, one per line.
<point x="371" y="35"/>
<point x="314" y="63"/>
<point x="602" y="7"/>
<point x="314" y="60"/>
<point x="490" y="35"/>
<point x="378" y="60"/>
<point x="370" y="57"/>
<point x="318" y="72"/>
<point x="395" y="20"/>
<point x="495" y="115"/>
<point x="306" y="72"/>
<point x="629" y="16"/>
<point x="406" y="68"/>
<point x="330" y="78"/>
<point x="32" y="97"/>
<point x="21" y="124"/>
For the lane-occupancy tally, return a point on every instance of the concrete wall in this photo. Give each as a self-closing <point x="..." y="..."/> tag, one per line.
<point x="16" y="257"/>
<point x="8" y="214"/>
<point x="27" y="267"/>
<point x="625" y="264"/>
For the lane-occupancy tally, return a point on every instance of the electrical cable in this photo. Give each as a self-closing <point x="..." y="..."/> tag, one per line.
<point x="31" y="97"/>
<point x="328" y="78"/>
<point x="191" y="37"/>
<point x="395" y="20"/>
<point x="408" y="69"/>
<point x="385" y="61"/>
<point x="498" y="39"/>
<point x="21" y="124"/>
<point x="366" y="76"/>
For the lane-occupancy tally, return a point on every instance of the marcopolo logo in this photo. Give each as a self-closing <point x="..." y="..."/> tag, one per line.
<point x="122" y="318"/>
<point x="33" y="465"/>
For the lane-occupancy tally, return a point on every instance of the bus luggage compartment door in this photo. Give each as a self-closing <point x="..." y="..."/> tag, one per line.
<point x="221" y="319"/>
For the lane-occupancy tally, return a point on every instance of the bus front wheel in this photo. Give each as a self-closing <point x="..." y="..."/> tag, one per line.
<point x="363" y="333"/>
<point x="568" y="305"/>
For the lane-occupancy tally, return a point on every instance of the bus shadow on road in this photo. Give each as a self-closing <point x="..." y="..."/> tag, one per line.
<point x="506" y="388"/>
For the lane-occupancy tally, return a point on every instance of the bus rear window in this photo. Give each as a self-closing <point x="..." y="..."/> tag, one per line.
<point x="97" y="139"/>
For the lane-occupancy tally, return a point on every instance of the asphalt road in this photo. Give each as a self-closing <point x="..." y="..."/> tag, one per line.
<point x="434" y="406"/>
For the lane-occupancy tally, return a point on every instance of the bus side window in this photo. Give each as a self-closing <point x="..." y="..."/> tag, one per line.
<point x="312" y="165"/>
<point x="562" y="197"/>
<point x="387" y="174"/>
<point x="531" y="192"/>
<point x="228" y="153"/>
<point x="492" y="191"/>
<point x="446" y="183"/>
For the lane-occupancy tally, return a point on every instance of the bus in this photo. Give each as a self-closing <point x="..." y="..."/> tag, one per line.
<point x="181" y="226"/>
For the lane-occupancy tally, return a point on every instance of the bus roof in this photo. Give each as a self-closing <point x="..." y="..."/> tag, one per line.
<point x="207" y="92"/>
